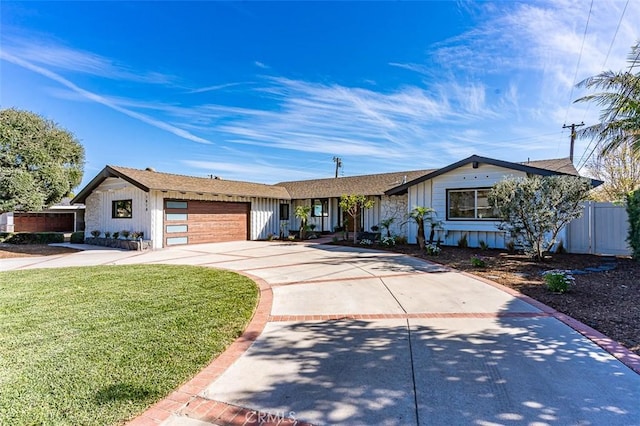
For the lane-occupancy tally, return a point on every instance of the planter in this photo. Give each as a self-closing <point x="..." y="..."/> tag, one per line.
<point x="138" y="245"/>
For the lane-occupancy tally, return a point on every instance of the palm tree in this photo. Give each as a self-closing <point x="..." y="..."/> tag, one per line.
<point x="620" y="100"/>
<point x="302" y="213"/>
<point x="419" y="215"/>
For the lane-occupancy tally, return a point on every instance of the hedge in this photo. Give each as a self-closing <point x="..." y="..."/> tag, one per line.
<point x="633" y="210"/>
<point x="77" y="238"/>
<point x="35" y="238"/>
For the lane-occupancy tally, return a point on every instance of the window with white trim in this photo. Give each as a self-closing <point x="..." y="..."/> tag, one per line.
<point x="469" y="204"/>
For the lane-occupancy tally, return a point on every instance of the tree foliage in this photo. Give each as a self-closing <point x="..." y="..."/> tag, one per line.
<point x="39" y="162"/>
<point x="620" y="101"/>
<point x="533" y="210"/>
<point x="353" y="205"/>
<point x="420" y="214"/>
<point x="619" y="170"/>
<point x="633" y="211"/>
<point x="302" y="213"/>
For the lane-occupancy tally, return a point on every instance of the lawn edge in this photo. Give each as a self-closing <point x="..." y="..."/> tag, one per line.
<point x="188" y="392"/>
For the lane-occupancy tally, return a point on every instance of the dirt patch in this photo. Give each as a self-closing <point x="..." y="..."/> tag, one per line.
<point x="24" y="250"/>
<point x="608" y="301"/>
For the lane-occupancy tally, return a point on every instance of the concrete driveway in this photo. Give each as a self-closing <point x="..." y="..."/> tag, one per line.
<point x="358" y="337"/>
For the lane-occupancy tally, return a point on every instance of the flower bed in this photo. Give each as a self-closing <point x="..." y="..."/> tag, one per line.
<point x="138" y="245"/>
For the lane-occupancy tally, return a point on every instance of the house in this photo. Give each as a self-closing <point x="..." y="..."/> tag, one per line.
<point x="61" y="217"/>
<point x="174" y="209"/>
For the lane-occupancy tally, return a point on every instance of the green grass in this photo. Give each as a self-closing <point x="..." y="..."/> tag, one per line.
<point x="97" y="345"/>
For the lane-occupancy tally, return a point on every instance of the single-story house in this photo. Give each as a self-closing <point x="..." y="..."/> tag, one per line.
<point x="174" y="209"/>
<point x="61" y="217"/>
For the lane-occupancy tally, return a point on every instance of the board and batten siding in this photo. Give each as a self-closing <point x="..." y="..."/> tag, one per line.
<point x="99" y="208"/>
<point x="263" y="214"/>
<point x="433" y="193"/>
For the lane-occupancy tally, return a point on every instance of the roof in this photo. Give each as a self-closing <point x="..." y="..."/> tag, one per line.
<point x="375" y="184"/>
<point x="148" y="180"/>
<point x="558" y="166"/>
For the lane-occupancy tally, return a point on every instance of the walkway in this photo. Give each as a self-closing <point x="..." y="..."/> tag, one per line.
<point x="353" y="336"/>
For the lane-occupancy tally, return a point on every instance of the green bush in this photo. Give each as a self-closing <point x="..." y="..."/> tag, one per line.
<point x="4" y="236"/>
<point x="633" y="211"/>
<point x="462" y="242"/>
<point x="478" y="262"/>
<point x="558" y="281"/>
<point x="35" y="238"/>
<point x="77" y="238"/>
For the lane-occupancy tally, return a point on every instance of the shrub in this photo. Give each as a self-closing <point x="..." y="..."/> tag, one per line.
<point x="35" y="238"/>
<point x="633" y="211"/>
<point x="400" y="239"/>
<point x="107" y="234"/>
<point x="462" y="242"/>
<point x="95" y="233"/>
<point x="125" y="234"/>
<point x="4" y="236"/>
<point x="388" y="242"/>
<point x="483" y="245"/>
<point x="432" y="249"/>
<point x="558" y="281"/>
<point x="77" y="238"/>
<point x="375" y="228"/>
<point x="116" y="235"/>
<point x="478" y="262"/>
<point x="511" y="246"/>
<point x="335" y="239"/>
<point x="366" y="242"/>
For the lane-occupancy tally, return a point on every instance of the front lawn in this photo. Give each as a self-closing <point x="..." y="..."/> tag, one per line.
<point x="98" y="345"/>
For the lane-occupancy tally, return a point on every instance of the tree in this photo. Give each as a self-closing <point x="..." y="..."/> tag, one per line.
<point x="39" y="162"/>
<point x="302" y="213"/>
<point x="620" y="99"/>
<point x="352" y="205"/>
<point x="419" y="215"/>
<point x="619" y="170"/>
<point x="534" y="209"/>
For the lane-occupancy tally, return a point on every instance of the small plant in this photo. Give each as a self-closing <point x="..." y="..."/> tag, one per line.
<point x="432" y="249"/>
<point x="557" y="280"/>
<point x="270" y="237"/>
<point x="77" y="238"/>
<point x="386" y="224"/>
<point x="125" y="234"/>
<point x="510" y="246"/>
<point x="107" y="234"/>
<point x="366" y="242"/>
<point x="483" y="245"/>
<point x="335" y="239"/>
<point x="462" y="242"/>
<point x="135" y="235"/>
<point x="375" y="228"/>
<point x="478" y="262"/>
<point x="291" y="238"/>
<point x="312" y="226"/>
<point x="560" y="248"/>
<point x="400" y="239"/>
<point x="141" y="234"/>
<point x="95" y="233"/>
<point x="116" y="235"/>
<point x="388" y="242"/>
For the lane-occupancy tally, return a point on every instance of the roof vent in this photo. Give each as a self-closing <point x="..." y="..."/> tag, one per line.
<point x="404" y="179"/>
<point x="150" y="169"/>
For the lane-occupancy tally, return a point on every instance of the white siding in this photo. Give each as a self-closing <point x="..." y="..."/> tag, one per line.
<point x="99" y="204"/>
<point x="6" y="222"/>
<point x="433" y="193"/>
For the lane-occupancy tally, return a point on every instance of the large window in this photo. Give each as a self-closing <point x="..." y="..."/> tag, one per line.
<point x="121" y="209"/>
<point x="469" y="204"/>
<point x="320" y="208"/>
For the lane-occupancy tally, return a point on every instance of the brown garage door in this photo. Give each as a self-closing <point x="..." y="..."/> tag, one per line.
<point x="196" y="222"/>
<point x="43" y="222"/>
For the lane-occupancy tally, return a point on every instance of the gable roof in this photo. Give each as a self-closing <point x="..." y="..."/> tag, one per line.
<point x="375" y="184"/>
<point x="559" y="166"/>
<point x="148" y="180"/>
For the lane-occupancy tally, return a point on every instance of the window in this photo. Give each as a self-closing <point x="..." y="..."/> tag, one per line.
<point x="177" y="240"/>
<point x="469" y="204"/>
<point x="176" y="216"/>
<point x="284" y="211"/>
<point x="176" y="228"/>
<point x="176" y="204"/>
<point x="320" y="208"/>
<point x="121" y="209"/>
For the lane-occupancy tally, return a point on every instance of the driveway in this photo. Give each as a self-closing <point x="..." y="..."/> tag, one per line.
<point x="359" y="337"/>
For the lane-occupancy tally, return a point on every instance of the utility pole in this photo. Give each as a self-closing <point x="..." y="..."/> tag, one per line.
<point x="573" y="136"/>
<point x="338" y="162"/>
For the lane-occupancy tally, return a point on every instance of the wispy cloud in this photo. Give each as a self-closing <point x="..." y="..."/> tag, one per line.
<point x="50" y="54"/>
<point x="100" y="99"/>
<point x="215" y="87"/>
<point x="261" y="65"/>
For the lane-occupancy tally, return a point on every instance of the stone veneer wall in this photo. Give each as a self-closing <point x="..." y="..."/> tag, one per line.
<point x="395" y="206"/>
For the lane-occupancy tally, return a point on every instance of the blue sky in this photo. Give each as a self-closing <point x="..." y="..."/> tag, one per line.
<point x="266" y="92"/>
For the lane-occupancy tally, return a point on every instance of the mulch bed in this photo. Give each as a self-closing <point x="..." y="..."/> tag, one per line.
<point x="22" y="250"/>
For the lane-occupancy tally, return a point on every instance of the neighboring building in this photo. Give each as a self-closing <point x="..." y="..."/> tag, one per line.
<point x="173" y="209"/>
<point x="62" y="217"/>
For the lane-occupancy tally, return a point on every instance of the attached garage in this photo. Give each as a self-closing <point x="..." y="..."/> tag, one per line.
<point x="43" y="222"/>
<point x="197" y="222"/>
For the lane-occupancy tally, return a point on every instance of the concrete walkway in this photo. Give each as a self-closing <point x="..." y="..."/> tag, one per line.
<point x="359" y="337"/>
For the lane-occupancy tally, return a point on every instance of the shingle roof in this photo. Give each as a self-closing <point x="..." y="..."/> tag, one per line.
<point x="148" y="179"/>
<point x="560" y="165"/>
<point x="335" y="187"/>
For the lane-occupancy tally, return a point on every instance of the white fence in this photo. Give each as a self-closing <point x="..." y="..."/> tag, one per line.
<point x="603" y="229"/>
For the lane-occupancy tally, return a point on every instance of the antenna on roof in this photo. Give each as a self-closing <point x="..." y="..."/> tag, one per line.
<point x="338" y="162"/>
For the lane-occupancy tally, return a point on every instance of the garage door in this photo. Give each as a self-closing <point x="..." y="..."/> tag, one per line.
<point x="43" y="222"/>
<point x="196" y="222"/>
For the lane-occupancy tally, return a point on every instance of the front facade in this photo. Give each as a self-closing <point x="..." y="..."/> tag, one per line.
<point x="171" y="209"/>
